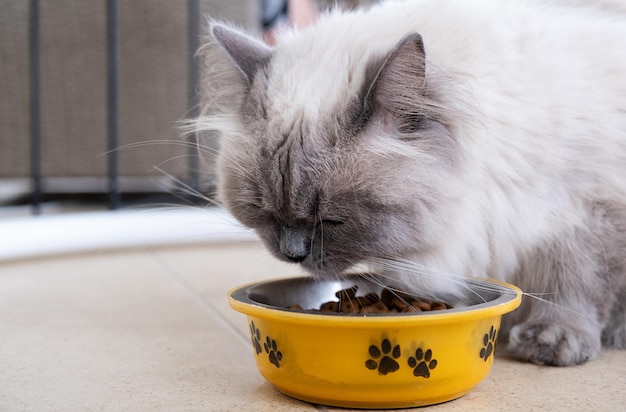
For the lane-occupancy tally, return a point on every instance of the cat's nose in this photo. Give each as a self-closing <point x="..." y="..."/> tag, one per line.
<point x="297" y="258"/>
<point x="295" y="244"/>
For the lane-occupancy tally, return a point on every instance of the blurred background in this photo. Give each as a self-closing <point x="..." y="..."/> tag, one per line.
<point x="93" y="93"/>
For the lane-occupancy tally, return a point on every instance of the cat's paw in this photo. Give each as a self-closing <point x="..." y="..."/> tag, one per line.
<point x="551" y="343"/>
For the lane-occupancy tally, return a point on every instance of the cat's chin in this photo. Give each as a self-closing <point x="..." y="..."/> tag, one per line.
<point x="337" y="271"/>
<point x="324" y="273"/>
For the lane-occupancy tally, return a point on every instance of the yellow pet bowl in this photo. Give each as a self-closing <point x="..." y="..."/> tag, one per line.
<point x="370" y="361"/>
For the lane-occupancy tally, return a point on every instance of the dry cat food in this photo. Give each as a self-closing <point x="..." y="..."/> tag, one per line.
<point x="388" y="302"/>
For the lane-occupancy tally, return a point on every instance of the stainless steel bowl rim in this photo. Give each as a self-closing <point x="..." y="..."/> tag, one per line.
<point x="497" y="294"/>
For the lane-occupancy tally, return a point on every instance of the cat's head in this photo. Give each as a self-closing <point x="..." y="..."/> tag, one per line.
<point x="333" y="159"/>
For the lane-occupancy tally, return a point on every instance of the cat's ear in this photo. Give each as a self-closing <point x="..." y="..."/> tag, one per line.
<point x="396" y="83"/>
<point x="247" y="53"/>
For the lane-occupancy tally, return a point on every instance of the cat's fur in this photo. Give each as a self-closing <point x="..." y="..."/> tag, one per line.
<point x="435" y="140"/>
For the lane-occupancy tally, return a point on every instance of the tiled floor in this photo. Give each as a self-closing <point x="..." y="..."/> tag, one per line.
<point x="151" y="330"/>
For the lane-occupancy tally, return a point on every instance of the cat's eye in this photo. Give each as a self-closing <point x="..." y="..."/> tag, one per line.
<point x="251" y="208"/>
<point x="335" y="221"/>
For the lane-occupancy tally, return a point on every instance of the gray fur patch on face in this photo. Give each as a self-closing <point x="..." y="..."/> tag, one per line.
<point x="336" y="185"/>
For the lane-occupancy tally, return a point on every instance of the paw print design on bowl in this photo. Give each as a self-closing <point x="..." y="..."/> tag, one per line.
<point x="489" y="343"/>
<point x="422" y="363"/>
<point x="271" y="348"/>
<point x="256" y="338"/>
<point x="383" y="358"/>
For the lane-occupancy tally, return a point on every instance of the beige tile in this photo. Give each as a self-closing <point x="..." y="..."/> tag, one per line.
<point x="224" y="266"/>
<point x="212" y="271"/>
<point x="112" y="332"/>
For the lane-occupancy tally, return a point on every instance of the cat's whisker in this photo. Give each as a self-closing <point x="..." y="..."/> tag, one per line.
<point x="407" y="266"/>
<point x="182" y="143"/>
<point x="222" y="122"/>
<point x="186" y="188"/>
<point x="317" y="218"/>
<point x="472" y="285"/>
<point x="553" y="305"/>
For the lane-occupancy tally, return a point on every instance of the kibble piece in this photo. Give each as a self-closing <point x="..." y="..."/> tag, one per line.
<point x="365" y="301"/>
<point x="373" y="309"/>
<point x="330" y="307"/>
<point x="439" y="306"/>
<point x="422" y="304"/>
<point x="372" y="297"/>
<point x="380" y="306"/>
<point x="349" y="306"/>
<point x="386" y="297"/>
<point x="348" y="293"/>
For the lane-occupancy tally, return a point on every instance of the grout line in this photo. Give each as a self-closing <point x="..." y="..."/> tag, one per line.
<point x="211" y="310"/>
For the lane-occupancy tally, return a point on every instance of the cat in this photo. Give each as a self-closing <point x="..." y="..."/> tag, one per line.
<point x="434" y="141"/>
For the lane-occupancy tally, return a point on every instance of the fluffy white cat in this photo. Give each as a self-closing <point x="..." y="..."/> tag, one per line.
<point x="438" y="140"/>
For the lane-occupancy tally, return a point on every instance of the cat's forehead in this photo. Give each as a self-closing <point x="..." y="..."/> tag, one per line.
<point x="311" y="80"/>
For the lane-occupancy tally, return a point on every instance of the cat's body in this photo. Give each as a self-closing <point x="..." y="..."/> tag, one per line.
<point x="501" y="153"/>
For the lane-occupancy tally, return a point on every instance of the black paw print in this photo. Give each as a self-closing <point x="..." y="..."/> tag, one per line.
<point x="271" y="349"/>
<point x="387" y="363"/>
<point x="422" y="362"/>
<point x="256" y="338"/>
<point x="489" y="343"/>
